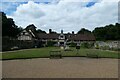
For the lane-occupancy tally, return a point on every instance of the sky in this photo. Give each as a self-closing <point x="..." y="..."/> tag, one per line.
<point x="66" y="15"/>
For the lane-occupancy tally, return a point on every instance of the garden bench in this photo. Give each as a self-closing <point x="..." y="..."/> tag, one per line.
<point x="55" y="54"/>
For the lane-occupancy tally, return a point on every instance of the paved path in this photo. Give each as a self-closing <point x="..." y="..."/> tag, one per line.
<point x="68" y="67"/>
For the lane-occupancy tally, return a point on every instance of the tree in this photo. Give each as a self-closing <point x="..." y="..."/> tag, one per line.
<point x="99" y="33"/>
<point x="84" y="31"/>
<point x="8" y="26"/>
<point x="108" y="32"/>
<point x="40" y="31"/>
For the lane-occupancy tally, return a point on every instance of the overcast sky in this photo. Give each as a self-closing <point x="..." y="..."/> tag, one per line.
<point x="69" y="15"/>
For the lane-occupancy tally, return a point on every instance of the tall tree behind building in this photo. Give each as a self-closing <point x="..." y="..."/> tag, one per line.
<point x="83" y="31"/>
<point x="8" y="26"/>
<point x="108" y="32"/>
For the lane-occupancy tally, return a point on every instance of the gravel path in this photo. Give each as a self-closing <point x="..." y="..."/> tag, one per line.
<point x="68" y="67"/>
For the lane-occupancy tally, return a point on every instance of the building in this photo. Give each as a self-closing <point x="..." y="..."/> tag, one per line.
<point x="28" y="33"/>
<point x="59" y="39"/>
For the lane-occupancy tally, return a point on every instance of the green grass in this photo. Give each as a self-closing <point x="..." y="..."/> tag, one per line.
<point x="100" y="53"/>
<point x="44" y="53"/>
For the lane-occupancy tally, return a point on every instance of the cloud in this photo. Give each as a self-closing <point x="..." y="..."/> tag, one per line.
<point x="31" y="10"/>
<point x="66" y="15"/>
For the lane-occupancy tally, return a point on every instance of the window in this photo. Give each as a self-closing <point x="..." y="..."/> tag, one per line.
<point x="26" y="33"/>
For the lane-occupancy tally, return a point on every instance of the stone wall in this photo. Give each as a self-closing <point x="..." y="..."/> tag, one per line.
<point x="107" y="44"/>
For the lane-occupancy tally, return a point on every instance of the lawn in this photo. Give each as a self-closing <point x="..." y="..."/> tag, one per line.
<point x="44" y="53"/>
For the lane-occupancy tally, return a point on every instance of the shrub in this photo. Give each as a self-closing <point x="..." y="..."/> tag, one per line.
<point x="91" y="45"/>
<point x="72" y="44"/>
<point x="51" y="43"/>
<point x="96" y="46"/>
<point x="85" y="45"/>
<point x="105" y="47"/>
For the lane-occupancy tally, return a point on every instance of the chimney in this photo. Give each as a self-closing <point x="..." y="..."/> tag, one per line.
<point x="61" y="31"/>
<point x="50" y="30"/>
<point x="72" y="32"/>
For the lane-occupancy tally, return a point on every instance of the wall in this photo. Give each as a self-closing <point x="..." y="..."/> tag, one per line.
<point x="108" y="44"/>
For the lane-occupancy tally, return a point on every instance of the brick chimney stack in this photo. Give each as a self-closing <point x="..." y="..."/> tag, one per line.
<point x="72" y="32"/>
<point x="61" y="31"/>
<point x="50" y="30"/>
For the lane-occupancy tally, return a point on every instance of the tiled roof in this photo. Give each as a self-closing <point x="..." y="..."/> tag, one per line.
<point x="47" y="36"/>
<point x="85" y="37"/>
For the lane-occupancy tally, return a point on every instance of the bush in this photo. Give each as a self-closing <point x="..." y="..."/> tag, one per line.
<point x="97" y="46"/>
<point x="105" y="47"/>
<point x="87" y="45"/>
<point x="72" y="44"/>
<point x="39" y="44"/>
<point x="84" y="45"/>
<point x="51" y="43"/>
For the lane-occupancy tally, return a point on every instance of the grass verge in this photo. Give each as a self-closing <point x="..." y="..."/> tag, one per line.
<point x="44" y="53"/>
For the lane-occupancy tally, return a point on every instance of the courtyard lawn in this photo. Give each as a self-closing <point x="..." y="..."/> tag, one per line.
<point x="44" y="53"/>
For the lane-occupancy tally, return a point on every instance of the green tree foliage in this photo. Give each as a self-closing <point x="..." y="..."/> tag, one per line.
<point x="109" y="32"/>
<point x="8" y="26"/>
<point x="87" y="45"/>
<point x="40" y="31"/>
<point x="84" y="31"/>
<point x="72" y="44"/>
<point x="51" y="43"/>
